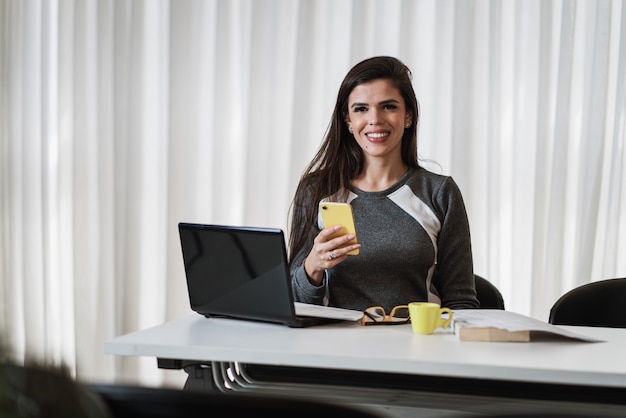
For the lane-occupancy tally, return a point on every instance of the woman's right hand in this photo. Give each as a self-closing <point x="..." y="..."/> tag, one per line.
<point x="327" y="252"/>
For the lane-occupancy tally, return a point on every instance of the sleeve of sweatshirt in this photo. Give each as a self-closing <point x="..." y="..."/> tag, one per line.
<point x="454" y="272"/>
<point x="303" y="290"/>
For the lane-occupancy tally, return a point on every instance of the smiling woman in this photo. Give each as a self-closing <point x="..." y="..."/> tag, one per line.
<point x="414" y="238"/>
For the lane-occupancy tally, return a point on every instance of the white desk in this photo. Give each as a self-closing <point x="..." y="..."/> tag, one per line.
<point x="388" y="350"/>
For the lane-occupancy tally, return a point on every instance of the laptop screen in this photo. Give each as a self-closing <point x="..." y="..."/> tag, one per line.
<point x="237" y="271"/>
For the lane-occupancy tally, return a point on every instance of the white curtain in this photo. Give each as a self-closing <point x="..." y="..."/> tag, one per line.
<point x="120" y="118"/>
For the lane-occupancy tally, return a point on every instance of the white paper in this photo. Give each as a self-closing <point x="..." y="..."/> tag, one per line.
<point x="319" y="311"/>
<point x="510" y="321"/>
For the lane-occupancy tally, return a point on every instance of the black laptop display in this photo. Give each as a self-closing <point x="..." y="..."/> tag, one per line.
<point x="239" y="272"/>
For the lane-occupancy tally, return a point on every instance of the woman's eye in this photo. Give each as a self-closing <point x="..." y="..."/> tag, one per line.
<point x="359" y="109"/>
<point x="390" y="107"/>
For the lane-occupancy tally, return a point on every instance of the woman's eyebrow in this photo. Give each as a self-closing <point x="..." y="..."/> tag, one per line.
<point x="389" y="101"/>
<point x="358" y="104"/>
<point x="384" y="102"/>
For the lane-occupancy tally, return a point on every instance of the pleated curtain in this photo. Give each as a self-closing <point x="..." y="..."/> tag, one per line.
<point x="121" y="118"/>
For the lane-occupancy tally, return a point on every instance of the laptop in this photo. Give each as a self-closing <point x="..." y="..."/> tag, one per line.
<point x="242" y="272"/>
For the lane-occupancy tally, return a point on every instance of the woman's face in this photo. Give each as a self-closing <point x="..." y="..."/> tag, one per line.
<point x="377" y="117"/>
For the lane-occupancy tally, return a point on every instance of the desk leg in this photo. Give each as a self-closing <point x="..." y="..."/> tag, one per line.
<point x="199" y="375"/>
<point x="200" y="378"/>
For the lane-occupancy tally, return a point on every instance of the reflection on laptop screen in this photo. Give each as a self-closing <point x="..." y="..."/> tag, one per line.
<point x="237" y="271"/>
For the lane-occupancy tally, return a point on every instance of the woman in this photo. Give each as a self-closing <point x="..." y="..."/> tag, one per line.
<point x="411" y="224"/>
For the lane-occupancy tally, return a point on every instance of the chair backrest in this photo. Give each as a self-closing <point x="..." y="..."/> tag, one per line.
<point x="488" y="294"/>
<point x="596" y="304"/>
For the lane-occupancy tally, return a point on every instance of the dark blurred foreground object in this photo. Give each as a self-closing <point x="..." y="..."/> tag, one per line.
<point x="140" y="402"/>
<point x="39" y="391"/>
<point x="596" y="304"/>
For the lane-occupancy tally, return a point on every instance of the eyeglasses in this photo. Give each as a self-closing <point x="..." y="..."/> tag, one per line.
<point x="376" y="315"/>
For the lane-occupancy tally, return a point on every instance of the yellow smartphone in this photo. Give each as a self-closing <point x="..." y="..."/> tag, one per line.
<point x="336" y="213"/>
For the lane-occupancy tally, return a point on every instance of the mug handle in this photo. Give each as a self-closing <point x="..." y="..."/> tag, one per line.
<point x="445" y="322"/>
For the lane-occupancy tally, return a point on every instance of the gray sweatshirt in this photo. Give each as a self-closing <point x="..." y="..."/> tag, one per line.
<point x="415" y="246"/>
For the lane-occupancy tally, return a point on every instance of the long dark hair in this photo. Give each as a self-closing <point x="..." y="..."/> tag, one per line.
<point x="339" y="158"/>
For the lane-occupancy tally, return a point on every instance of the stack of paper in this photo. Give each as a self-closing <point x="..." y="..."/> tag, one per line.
<point x="319" y="311"/>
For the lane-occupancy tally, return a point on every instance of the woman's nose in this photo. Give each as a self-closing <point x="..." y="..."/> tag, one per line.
<point x="374" y="117"/>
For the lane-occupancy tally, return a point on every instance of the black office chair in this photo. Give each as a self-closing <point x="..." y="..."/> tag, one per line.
<point x="488" y="294"/>
<point x="596" y="304"/>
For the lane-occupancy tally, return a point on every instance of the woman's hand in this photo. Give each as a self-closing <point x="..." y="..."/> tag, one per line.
<point x="327" y="252"/>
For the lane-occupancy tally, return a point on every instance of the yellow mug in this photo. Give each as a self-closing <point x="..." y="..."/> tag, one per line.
<point x="426" y="317"/>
